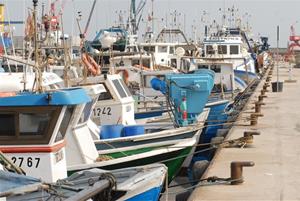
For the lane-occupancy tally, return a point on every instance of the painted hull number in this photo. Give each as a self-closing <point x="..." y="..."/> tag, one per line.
<point x="102" y="111"/>
<point x="29" y="162"/>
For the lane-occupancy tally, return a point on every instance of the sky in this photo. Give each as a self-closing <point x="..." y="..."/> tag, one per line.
<point x="262" y="16"/>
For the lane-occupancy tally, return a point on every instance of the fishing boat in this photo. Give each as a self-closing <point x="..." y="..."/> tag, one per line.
<point x="136" y="183"/>
<point x="33" y="130"/>
<point x="231" y="44"/>
<point x="227" y="86"/>
<point x="158" y="143"/>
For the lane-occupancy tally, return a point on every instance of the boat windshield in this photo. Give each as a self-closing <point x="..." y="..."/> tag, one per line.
<point x="149" y="49"/>
<point x="27" y="125"/>
<point x="234" y="49"/>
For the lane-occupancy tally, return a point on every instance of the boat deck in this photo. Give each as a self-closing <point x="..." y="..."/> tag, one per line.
<point x="275" y="152"/>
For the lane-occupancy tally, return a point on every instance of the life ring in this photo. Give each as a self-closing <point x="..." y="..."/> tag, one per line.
<point x="90" y="64"/>
<point x="125" y="75"/>
<point x="7" y="94"/>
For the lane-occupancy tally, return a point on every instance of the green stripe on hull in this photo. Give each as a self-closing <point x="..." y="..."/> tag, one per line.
<point x="173" y="165"/>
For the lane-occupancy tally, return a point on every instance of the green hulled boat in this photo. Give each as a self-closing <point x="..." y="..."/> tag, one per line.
<point x="170" y="147"/>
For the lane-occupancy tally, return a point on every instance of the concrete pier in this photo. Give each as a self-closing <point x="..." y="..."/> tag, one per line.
<point x="275" y="152"/>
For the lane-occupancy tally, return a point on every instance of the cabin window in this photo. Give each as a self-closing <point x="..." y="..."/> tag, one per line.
<point x="174" y="63"/>
<point x="172" y="50"/>
<point x="210" y="49"/>
<point x="149" y="49"/>
<point x="28" y="125"/>
<point x="146" y="63"/>
<point x="125" y="87"/>
<point x="222" y="49"/>
<point x="135" y="62"/>
<point x="201" y="66"/>
<point x="7" y="125"/>
<point x="105" y="95"/>
<point x="12" y="67"/>
<point x="34" y="123"/>
<point x="119" y="88"/>
<point x="65" y="123"/>
<point x="185" y="65"/>
<point x="162" y="49"/>
<point x="215" y="68"/>
<point x="132" y="49"/>
<point x="234" y="49"/>
<point x="86" y="112"/>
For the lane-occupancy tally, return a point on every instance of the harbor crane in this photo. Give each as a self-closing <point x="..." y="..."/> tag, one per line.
<point x="294" y="42"/>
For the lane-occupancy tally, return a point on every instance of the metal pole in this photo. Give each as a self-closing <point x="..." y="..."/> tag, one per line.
<point x="277" y="57"/>
<point x="38" y="72"/>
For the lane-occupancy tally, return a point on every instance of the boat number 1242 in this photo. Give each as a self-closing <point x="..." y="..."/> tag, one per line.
<point x="102" y="111"/>
<point x="29" y="162"/>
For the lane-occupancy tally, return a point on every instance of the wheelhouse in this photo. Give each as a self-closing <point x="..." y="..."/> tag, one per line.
<point x="222" y="47"/>
<point x="33" y="128"/>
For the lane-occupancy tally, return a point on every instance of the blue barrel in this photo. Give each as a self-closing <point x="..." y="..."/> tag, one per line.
<point x="133" y="130"/>
<point x="159" y="85"/>
<point x="111" y="131"/>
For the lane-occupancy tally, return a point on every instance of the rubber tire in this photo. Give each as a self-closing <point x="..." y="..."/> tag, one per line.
<point x="199" y="168"/>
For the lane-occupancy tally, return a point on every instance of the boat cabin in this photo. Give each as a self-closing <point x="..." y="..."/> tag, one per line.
<point x="137" y="60"/>
<point x="224" y="74"/>
<point x="116" y="104"/>
<point x="33" y="128"/>
<point x="226" y="47"/>
<point x="162" y="52"/>
<point x="80" y="148"/>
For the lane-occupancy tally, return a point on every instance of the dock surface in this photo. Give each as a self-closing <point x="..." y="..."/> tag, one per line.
<point x="275" y="152"/>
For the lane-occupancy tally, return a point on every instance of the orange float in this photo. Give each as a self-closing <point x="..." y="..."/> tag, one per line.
<point x="90" y="64"/>
<point x="125" y="75"/>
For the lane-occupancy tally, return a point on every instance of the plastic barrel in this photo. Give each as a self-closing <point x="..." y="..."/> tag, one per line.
<point x="133" y="130"/>
<point x="111" y="131"/>
<point x="159" y="85"/>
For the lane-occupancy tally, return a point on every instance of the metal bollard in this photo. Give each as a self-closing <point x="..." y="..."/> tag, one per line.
<point x="249" y="136"/>
<point x="261" y="98"/>
<point x="258" y="105"/>
<point x="262" y="92"/>
<point x="265" y="87"/>
<point x="236" y="169"/>
<point x="254" y="117"/>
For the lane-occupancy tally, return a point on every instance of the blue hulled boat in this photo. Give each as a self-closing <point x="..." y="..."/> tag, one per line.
<point x="33" y="127"/>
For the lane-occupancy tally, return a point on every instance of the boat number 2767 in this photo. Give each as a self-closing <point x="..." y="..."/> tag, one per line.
<point x="102" y="111"/>
<point x="29" y="161"/>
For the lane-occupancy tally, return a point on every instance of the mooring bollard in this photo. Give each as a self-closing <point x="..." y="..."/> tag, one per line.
<point x="261" y="98"/>
<point x="254" y="118"/>
<point x="266" y="85"/>
<point x="249" y="136"/>
<point x="258" y="105"/>
<point x="236" y="169"/>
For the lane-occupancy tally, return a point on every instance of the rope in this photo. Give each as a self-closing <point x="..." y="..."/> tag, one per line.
<point x="209" y="182"/>
<point x="9" y="165"/>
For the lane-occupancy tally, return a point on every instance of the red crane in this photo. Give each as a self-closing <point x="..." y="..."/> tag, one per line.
<point x="295" y="42"/>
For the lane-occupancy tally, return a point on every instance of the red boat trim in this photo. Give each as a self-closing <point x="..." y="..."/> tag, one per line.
<point x="43" y="149"/>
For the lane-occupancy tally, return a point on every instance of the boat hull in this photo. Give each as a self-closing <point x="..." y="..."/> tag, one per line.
<point x="168" y="147"/>
<point x="216" y="118"/>
<point x="172" y="159"/>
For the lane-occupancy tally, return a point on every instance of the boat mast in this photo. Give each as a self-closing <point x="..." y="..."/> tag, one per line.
<point x="133" y="17"/>
<point x="36" y="64"/>
<point x="152" y="15"/>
